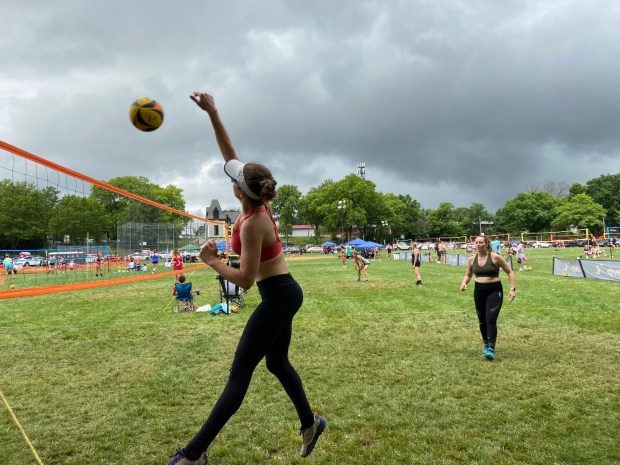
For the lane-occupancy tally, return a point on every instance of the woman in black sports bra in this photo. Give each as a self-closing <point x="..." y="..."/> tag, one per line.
<point x="415" y="263"/>
<point x="488" y="291"/>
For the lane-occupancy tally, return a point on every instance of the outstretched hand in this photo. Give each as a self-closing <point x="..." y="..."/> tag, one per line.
<point x="204" y="101"/>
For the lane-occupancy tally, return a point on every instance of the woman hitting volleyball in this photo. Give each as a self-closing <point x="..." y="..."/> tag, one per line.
<point x="488" y="291"/>
<point x="267" y="333"/>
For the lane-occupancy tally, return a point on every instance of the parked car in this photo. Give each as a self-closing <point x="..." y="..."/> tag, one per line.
<point x="541" y="245"/>
<point x="291" y="248"/>
<point x="29" y="261"/>
<point x="314" y="249"/>
<point x="141" y="255"/>
<point x="402" y="246"/>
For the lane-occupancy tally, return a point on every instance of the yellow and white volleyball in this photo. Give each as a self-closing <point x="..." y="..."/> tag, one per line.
<point x="12" y="286"/>
<point x="146" y="114"/>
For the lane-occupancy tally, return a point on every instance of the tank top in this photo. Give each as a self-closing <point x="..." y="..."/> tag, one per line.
<point x="267" y="253"/>
<point x="488" y="270"/>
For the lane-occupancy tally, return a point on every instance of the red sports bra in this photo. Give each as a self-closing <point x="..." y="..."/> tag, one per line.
<point x="266" y="253"/>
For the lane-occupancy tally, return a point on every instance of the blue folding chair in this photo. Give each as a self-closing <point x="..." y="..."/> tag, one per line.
<point x="184" y="297"/>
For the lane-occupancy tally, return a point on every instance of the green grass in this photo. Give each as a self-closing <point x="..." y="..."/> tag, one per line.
<point x="113" y="376"/>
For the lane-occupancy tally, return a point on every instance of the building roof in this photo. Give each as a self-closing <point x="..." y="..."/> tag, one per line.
<point x="215" y="212"/>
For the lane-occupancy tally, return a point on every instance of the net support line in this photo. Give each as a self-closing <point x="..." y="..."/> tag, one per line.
<point x="21" y="429"/>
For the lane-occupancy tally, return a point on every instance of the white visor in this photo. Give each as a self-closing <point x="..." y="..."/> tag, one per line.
<point x="234" y="169"/>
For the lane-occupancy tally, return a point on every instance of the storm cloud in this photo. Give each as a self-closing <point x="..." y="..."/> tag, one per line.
<point x="445" y="101"/>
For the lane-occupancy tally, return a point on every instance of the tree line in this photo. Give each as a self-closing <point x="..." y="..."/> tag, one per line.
<point x="353" y="202"/>
<point x="32" y="218"/>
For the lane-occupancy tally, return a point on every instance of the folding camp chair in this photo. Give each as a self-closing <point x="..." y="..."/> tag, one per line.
<point x="229" y="291"/>
<point x="184" y="297"/>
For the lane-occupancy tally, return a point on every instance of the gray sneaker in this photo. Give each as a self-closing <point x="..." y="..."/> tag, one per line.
<point x="179" y="459"/>
<point x="309" y="436"/>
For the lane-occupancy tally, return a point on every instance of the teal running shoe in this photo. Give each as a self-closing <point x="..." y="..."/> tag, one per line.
<point x="489" y="353"/>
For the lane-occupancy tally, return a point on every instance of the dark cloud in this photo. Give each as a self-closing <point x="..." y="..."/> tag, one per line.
<point x="446" y="101"/>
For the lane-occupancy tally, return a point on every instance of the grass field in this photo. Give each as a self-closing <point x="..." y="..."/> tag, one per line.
<point x="112" y="375"/>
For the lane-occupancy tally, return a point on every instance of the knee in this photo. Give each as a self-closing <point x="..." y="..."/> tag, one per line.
<point x="276" y="365"/>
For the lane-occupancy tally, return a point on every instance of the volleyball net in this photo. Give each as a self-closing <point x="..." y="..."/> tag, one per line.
<point x="62" y="230"/>
<point x="557" y="237"/>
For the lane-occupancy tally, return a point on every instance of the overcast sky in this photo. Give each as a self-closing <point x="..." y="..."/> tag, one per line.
<point x="458" y="101"/>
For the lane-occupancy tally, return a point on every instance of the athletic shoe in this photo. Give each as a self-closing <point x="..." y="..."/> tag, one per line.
<point x="485" y="348"/>
<point x="309" y="436"/>
<point x="179" y="459"/>
<point x="489" y="353"/>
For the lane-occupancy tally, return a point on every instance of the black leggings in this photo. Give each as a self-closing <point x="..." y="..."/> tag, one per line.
<point x="266" y="334"/>
<point x="488" y="299"/>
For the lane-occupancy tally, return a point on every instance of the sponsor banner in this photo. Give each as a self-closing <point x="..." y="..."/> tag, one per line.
<point x="601" y="269"/>
<point x="402" y="255"/>
<point x="608" y="270"/>
<point x="456" y="259"/>
<point x="570" y="268"/>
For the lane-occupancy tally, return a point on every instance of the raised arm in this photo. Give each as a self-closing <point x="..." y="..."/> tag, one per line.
<point x="207" y="103"/>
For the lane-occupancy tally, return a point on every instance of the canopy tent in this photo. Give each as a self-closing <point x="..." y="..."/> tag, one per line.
<point x="356" y="242"/>
<point x="366" y="245"/>
<point x="376" y="244"/>
<point x="328" y="244"/>
<point x="222" y="245"/>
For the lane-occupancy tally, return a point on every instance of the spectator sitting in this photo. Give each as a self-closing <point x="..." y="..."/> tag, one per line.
<point x="132" y="265"/>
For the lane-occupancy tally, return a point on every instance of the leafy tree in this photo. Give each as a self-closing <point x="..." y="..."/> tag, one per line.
<point x="120" y="209"/>
<point x="364" y="203"/>
<point x="580" y="211"/>
<point x="79" y="218"/>
<point x="605" y="190"/>
<point x="477" y="213"/>
<point x="286" y="206"/>
<point x="24" y="214"/>
<point x="532" y="212"/>
<point x="443" y="221"/>
<point x="391" y="220"/>
<point x="409" y="222"/>
<point x="576" y="188"/>
<point x="314" y="207"/>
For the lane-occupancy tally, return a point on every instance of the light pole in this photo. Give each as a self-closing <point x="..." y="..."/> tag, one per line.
<point x="384" y="224"/>
<point x="342" y="205"/>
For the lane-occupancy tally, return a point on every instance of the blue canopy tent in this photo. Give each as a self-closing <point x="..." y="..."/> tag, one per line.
<point x="376" y="244"/>
<point x="356" y="242"/>
<point x="222" y="245"/>
<point x="366" y="245"/>
<point x="328" y="244"/>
